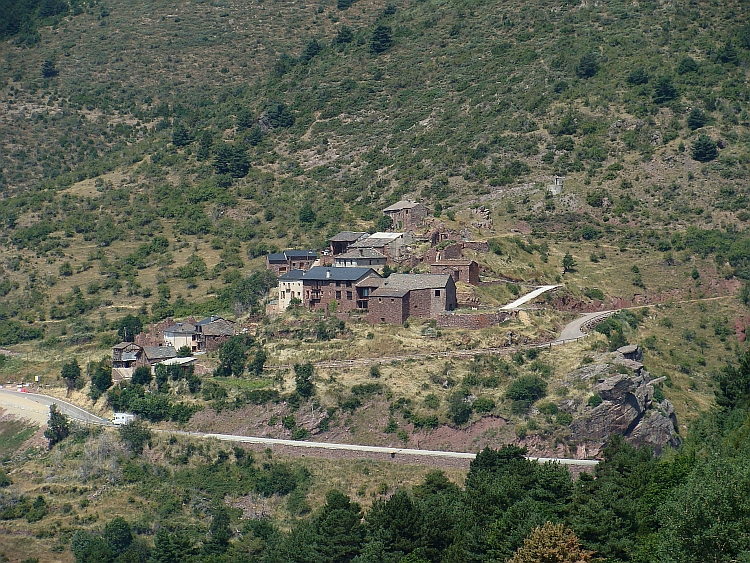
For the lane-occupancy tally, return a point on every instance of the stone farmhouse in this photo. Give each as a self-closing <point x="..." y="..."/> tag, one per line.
<point x="406" y="215"/>
<point x="400" y="296"/>
<point x="282" y="262"/>
<point x="349" y="287"/>
<point x="182" y="334"/>
<point x="340" y="242"/>
<point x="360" y="258"/>
<point x="127" y="356"/>
<point x="461" y="270"/>
<point x="202" y="336"/>
<point x="392" y="245"/>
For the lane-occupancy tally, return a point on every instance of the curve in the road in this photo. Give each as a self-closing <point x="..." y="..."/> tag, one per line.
<point x="68" y="409"/>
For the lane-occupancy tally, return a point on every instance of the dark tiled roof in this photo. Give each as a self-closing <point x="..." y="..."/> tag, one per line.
<point x="347" y="236"/>
<point x="292" y="275"/>
<point x="207" y="320"/>
<point x="361" y="253"/>
<point x="219" y="328"/>
<point x="300" y="254"/>
<point x="160" y="352"/>
<point x="403" y="204"/>
<point x="278" y="257"/>
<point x="181" y="328"/>
<point x="377" y="240"/>
<point x="322" y="273"/>
<point x="397" y="285"/>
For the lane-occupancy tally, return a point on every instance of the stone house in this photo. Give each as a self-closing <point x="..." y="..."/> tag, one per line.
<point x="282" y="262"/>
<point x="290" y="287"/>
<point x="212" y="332"/>
<point x="392" y="245"/>
<point x="126" y="357"/>
<point x="360" y="258"/>
<point x="157" y="354"/>
<point x="340" y="243"/>
<point x="406" y="215"/>
<point x="182" y="334"/>
<point x="461" y="270"/>
<point x="322" y="286"/>
<point x="400" y="296"/>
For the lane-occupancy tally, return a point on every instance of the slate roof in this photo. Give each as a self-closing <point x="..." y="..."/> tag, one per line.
<point x="159" y="352"/>
<point x="361" y="253"/>
<point x="208" y="320"/>
<point x="323" y="273"/>
<point x="300" y="254"/>
<point x="123" y="345"/>
<point x="347" y="236"/>
<point x="399" y="205"/>
<point x="292" y="275"/>
<point x="219" y="328"/>
<point x="398" y="285"/>
<point x="180" y="328"/>
<point x="283" y="257"/>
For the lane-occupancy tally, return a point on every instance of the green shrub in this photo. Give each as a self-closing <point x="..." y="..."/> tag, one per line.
<point x="525" y="390"/>
<point x="595" y="401"/>
<point x="483" y="404"/>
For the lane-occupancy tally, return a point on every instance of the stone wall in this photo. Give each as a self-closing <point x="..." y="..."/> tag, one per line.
<point x="473" y="321"/>
<point x="477" y="245"/>
<point x="391" y="310"/>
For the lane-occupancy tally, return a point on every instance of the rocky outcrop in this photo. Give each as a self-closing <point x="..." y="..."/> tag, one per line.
<point x="628" y="408"/>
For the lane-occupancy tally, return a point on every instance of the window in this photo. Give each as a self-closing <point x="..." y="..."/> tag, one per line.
<point x="380" y="299"/>
<point x="338" y="284"/>
<point x="349" y="295"/>
<point x="437" y="293"/>
<point x="283" y="294"/>
<point x="338" y="295"/>
<point x="393" y="300"/>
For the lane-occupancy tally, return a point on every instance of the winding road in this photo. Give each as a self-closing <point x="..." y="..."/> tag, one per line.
<point x="35" y="406"/>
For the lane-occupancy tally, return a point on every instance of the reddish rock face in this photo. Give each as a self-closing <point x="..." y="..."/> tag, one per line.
<point x="740" y="328"/>
<point x="628" y="409"/>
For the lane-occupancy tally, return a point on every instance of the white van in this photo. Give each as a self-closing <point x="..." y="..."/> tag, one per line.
<point x="121" y="418"/>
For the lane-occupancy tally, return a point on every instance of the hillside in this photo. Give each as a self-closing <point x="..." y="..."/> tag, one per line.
<point x="153" y="153"/>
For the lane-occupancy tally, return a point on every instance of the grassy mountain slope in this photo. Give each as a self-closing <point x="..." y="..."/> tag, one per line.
<point x="153" y="152"/>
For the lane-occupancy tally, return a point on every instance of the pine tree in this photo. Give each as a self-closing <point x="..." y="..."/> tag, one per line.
<point x="568" y="263"/>
<point x="704" y="149"/>
<point x="696" y="119"/>
<point x="58" y="426"/>
<point x="71" y="373"/>
<point x="381" y="39"/>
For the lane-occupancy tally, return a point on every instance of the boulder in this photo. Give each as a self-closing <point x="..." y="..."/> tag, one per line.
<point x="627" y="409"/>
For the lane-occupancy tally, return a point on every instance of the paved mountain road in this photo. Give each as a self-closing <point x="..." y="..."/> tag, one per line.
<point x="21" y="403"/>
<point x="36" y="407"/>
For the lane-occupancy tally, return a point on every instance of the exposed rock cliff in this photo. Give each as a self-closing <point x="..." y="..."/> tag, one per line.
<point x="628" y="408"/>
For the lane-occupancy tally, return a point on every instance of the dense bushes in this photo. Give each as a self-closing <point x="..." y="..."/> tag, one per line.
<point x="525" y="390"/>
<point x="14" y="332"/>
